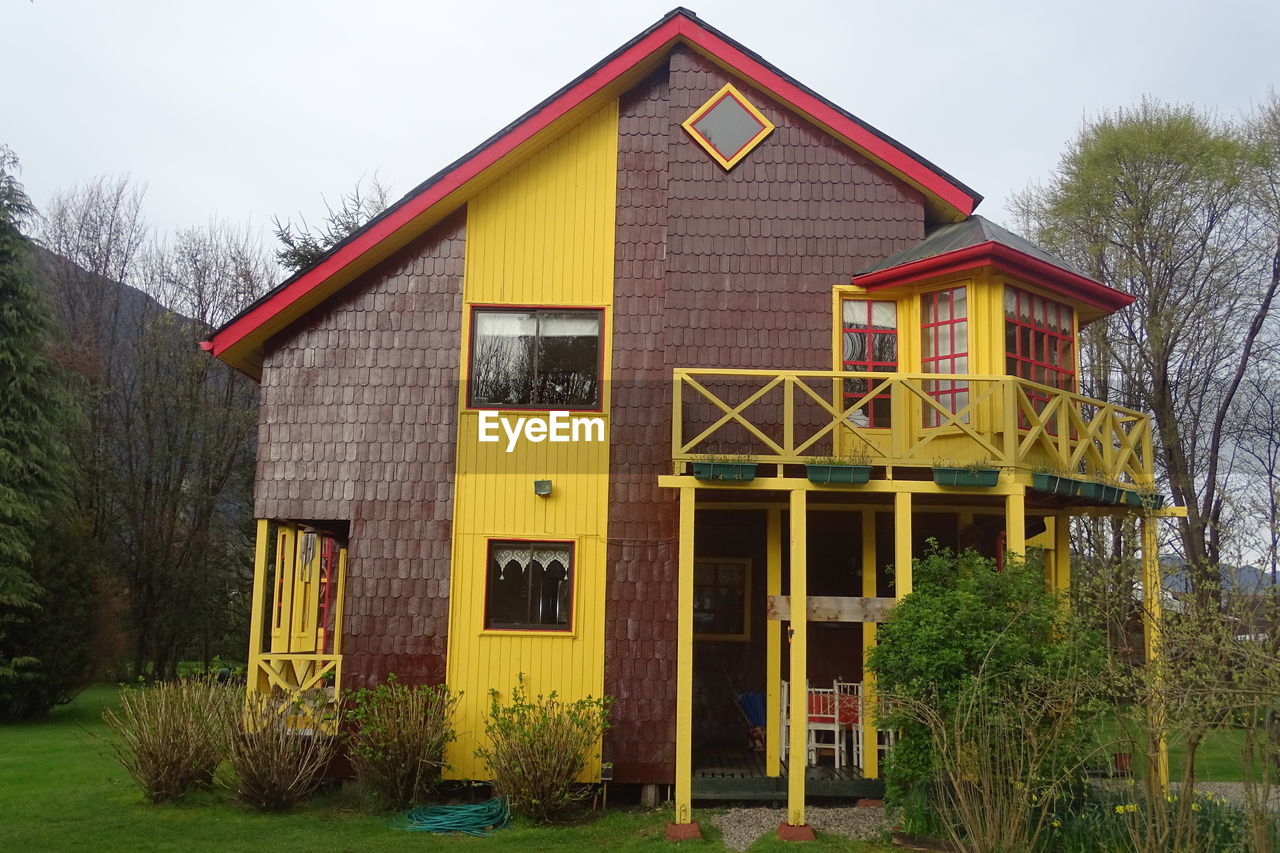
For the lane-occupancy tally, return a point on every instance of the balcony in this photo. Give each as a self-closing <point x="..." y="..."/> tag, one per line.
<point x="905" y="420"/>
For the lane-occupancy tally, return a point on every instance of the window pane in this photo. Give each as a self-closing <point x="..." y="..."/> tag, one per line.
<point x="959" y="303"/>
<point x="568" y="358"/>
<point x="502" y="358"/>
<point x="884" y="315"/>
<point x="854" y="313"/>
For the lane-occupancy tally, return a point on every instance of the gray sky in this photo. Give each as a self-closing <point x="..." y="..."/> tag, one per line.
<point x="241" y="110"/>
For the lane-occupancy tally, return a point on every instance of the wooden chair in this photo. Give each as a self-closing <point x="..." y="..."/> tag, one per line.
<point x="824" y="719"/>
<point x="849" y="717"/>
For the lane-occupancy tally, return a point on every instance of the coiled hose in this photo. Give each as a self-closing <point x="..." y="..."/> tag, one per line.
<point x="477" y="819"/>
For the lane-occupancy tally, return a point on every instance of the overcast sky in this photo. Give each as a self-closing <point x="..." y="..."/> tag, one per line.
<point x="241" y="110"/>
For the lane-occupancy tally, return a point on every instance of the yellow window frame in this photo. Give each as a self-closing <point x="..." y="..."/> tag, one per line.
<point x="728" y="90"/>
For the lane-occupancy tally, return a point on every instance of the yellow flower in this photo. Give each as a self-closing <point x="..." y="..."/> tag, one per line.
<point x="1131" y="808"/>
<point x="1057" y="823"/>
<point x="1119" y="809"/>
<point x="1195" y="807"/>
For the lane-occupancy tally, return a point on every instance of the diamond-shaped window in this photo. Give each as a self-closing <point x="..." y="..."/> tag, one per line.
<point x="728" y="126"/>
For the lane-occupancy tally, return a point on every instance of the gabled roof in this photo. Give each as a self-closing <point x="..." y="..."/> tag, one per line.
<point x="977" y="241"/>
<point x="240" y="342"/>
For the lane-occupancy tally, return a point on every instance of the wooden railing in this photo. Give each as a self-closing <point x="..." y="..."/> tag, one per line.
<point x="905" y="419"/>
<point x="305" y="683"/>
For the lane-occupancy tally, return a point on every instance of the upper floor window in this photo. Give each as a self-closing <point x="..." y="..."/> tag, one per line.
<point x="944" y="348"/>
<point x="1039" y="343"/>
<point x="870" y="334"/>
<point x="547" y="358"/>
<point x="530" y="586"/>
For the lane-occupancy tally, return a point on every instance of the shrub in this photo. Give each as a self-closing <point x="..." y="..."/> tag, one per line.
<point x="539" y="747"/>
<point x="398" y="740"/>
<point x="990" y="687"/>
<point x="171" y="736"/>
<point x="278" y="751"/>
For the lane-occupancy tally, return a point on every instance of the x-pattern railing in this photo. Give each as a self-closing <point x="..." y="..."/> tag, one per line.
<point x="1009" y="421"/>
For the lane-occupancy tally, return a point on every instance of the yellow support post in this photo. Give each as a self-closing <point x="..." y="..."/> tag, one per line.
<point x="1015" y="525"/>
<point x="1062" y="553"/>
<point x="870" y="737"/>
<point x="1151" y="612"/>
<point x="901" y="544"/>
<point x="684" y="661"/>
<point x="773" y="645"/>
<point x="798" y="748"/>
<point x="257" y="603"/>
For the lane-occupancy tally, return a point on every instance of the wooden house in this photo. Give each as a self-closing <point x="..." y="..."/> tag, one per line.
<point x="688" y="266"/>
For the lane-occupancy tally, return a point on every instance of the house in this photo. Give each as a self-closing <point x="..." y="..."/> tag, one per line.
<point x="495" y="422"/>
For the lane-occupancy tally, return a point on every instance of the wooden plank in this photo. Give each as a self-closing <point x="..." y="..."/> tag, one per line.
<point x="834" y="608"/>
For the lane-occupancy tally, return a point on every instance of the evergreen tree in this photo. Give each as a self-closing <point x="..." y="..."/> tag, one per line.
<point x="34" y="463"/>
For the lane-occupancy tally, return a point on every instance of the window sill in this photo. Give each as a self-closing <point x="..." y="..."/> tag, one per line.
<point x="528" y="632"/>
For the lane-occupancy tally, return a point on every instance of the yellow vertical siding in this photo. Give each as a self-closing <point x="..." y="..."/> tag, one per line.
<point x="543" y="234"/>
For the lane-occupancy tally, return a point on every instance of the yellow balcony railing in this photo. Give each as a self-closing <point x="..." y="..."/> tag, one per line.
<point x="905" y="419"/>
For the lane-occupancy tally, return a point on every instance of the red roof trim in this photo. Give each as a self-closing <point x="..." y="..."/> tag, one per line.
<point x="1053" y="277"/>
<point x="676" y="27"/>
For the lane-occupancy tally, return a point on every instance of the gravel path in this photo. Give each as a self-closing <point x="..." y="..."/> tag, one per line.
<point x="741" y="827"/>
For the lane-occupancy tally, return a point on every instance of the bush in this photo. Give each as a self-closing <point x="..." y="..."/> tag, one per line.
<point x="172" y="736"/>
<point x="539" y="747"/>
<point x="991" y="689"/>
<point x="278" y="751"/>
<point x="398" y="739"/>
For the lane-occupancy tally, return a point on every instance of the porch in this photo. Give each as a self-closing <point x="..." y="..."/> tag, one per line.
<point x="858" y="560"/>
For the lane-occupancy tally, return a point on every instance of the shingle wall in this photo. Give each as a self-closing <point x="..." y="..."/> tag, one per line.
<point x="358" y="423"/>
<point x="714" y="269"/>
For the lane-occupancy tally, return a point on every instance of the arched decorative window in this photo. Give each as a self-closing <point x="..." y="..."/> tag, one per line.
<point x="529" y="586"/>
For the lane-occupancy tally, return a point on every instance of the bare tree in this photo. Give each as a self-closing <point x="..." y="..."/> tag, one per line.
<point x="1164" y="203"/>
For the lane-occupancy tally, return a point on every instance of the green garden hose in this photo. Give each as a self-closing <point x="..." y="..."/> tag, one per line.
<point x="468" y="819"/>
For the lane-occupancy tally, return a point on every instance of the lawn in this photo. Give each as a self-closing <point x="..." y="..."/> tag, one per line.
<point x="59" y="792"/>
<point x="1218" y="759"/>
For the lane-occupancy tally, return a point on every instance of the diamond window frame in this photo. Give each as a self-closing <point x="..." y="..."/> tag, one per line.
<point x="728" y="90"/>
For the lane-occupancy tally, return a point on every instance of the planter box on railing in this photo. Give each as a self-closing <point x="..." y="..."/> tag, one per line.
<point x="1055" y="485"/>
<point x="848" y="474"/>
<point x="981" y="477"/>
<point x="740" y="472"/>
<point x="1112" y="495"/>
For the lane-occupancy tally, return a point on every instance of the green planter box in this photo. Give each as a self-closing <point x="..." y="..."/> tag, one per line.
<point x="741" y="472"/>
<point x="983" y="477"/>
<point x="1092" y="491"/>
<point x="1055" y="485"/>
<point x="1112" y="495"/>
<point x="852" y="474"/>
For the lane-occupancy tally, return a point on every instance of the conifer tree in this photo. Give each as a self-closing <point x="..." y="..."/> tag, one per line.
<point x="33" y="418"/>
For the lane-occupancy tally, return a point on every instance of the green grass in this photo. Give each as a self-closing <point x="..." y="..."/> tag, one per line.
<point x="1218" y="758"/>
<point x="59" y="791"/>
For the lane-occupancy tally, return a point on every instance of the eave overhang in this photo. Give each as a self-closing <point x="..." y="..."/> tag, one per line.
<point x="1104" y="300"/>
<point x="241" y="341"/>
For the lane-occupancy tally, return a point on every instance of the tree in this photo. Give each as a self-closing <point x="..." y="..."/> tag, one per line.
<point x="302" y="245"/>
<point x="1161" y="202"/>
<point x="34" y="462"/>
<point x="165" y="469"/>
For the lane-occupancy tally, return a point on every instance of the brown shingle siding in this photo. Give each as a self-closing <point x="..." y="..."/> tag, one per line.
<point x="355" y="427"/>
<point x="713" y="269"/>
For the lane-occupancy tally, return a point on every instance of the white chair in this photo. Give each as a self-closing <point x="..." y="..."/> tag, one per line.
<point x="824" y="719"/>
<point x="849" y="717"/>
